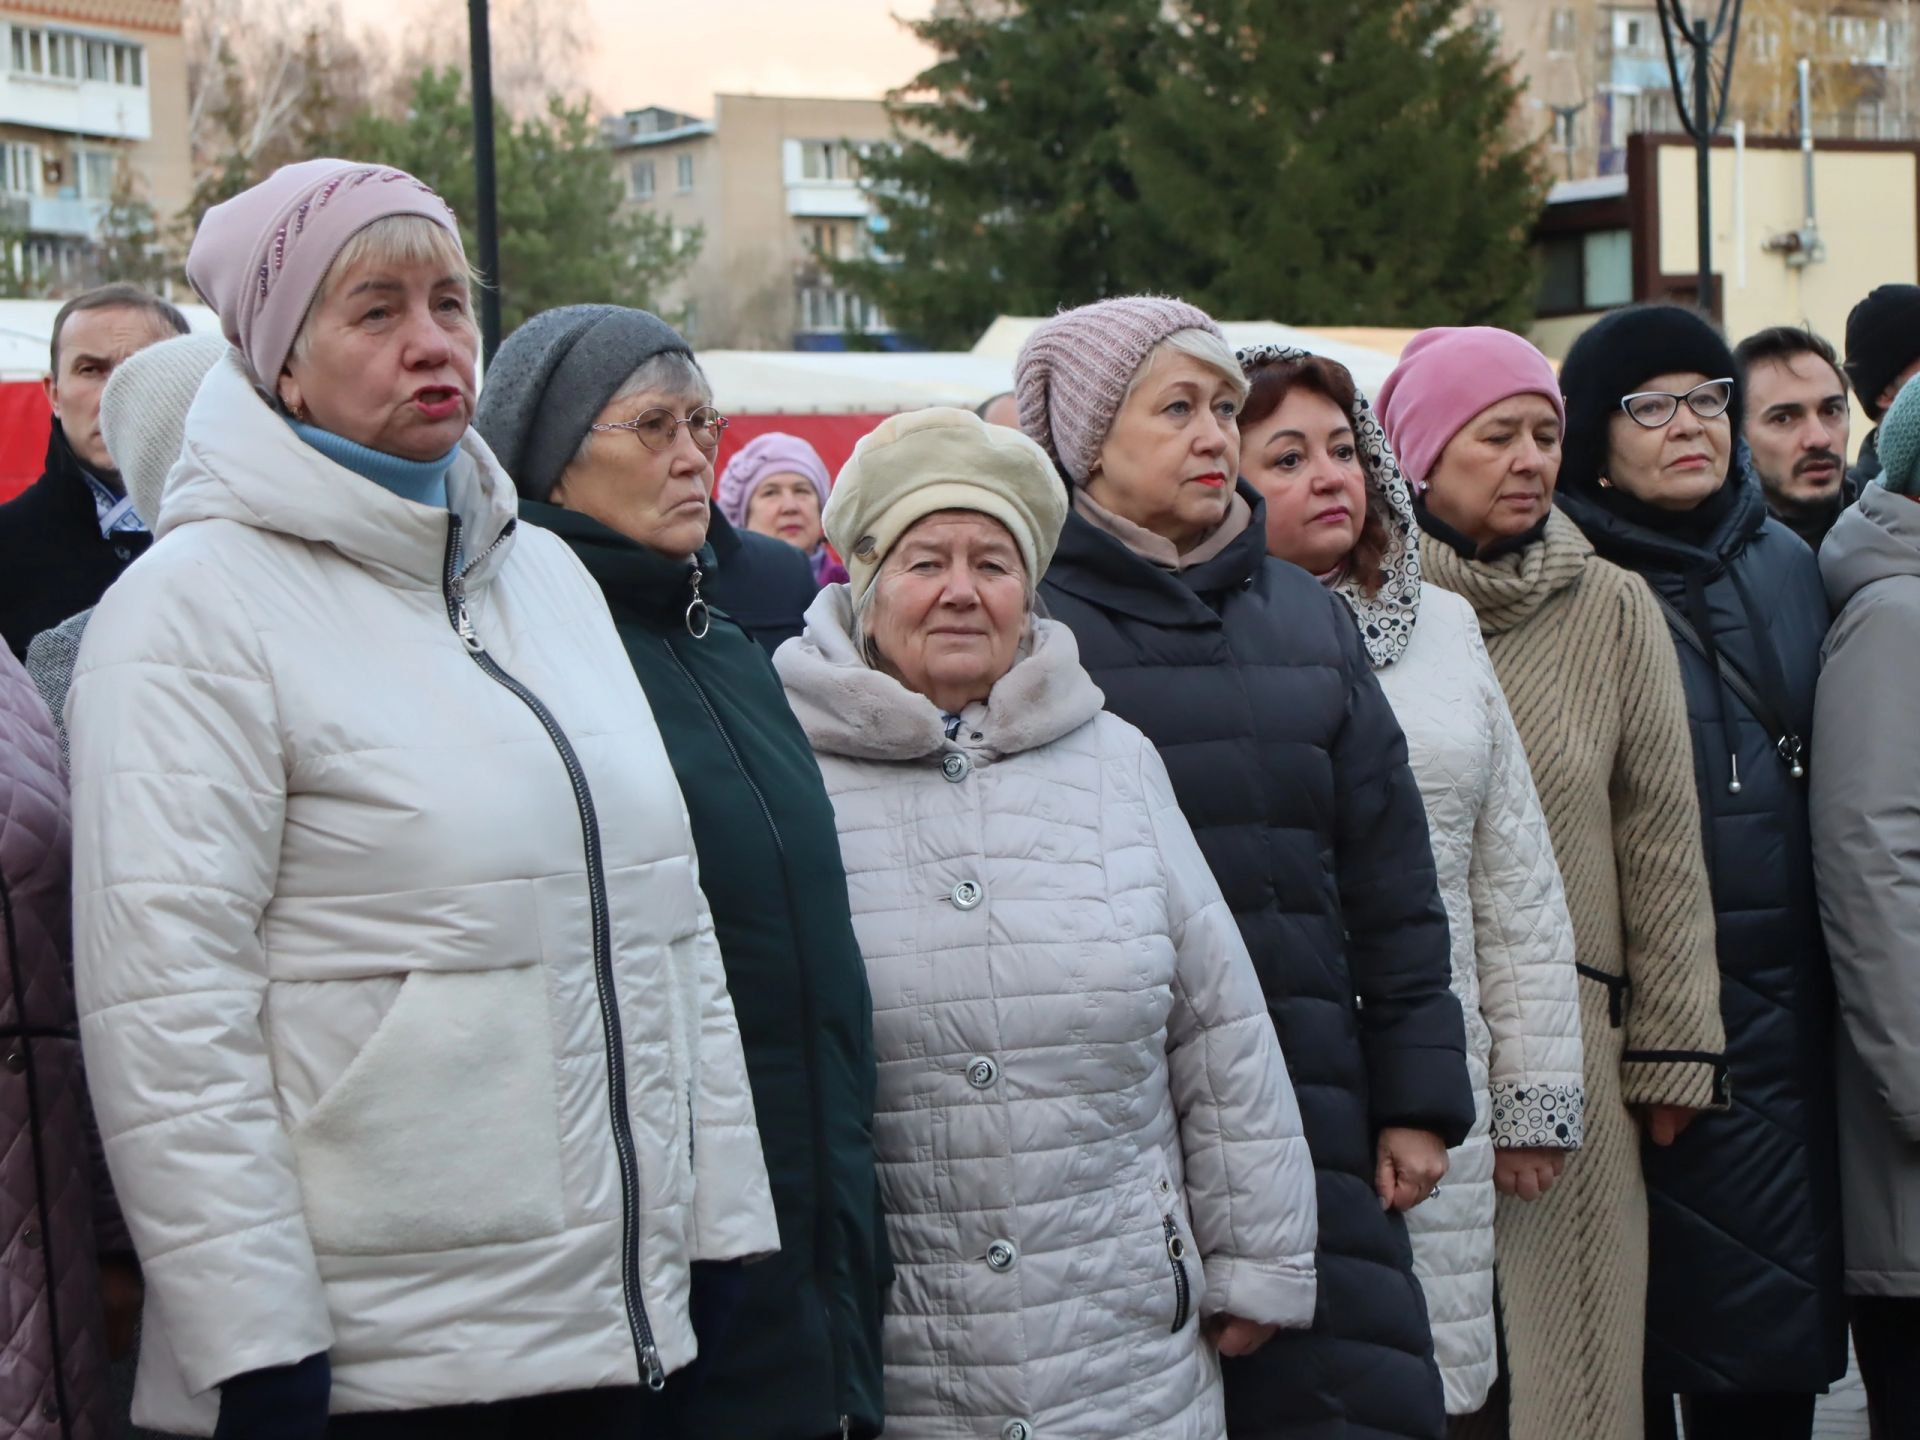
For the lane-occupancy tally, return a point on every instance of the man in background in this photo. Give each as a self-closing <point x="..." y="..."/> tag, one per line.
<point x="1796" y="427"/>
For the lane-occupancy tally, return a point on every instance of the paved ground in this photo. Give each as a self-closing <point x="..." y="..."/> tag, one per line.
<point x="1843" y="1414"/>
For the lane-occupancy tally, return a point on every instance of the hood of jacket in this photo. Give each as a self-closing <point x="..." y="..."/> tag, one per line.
<point x="241" y="461"/>
<point x="1639" y="536"/>
<point x="849" y="708"/>
<point x="1877" y="539"/>
<point x="1388" y="615"/>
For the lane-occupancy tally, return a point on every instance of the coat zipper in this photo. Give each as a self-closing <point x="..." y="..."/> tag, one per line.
<point x="454" y="590"/>
<point x="1182" y="1289"/>
<point x="808" y="1025"/>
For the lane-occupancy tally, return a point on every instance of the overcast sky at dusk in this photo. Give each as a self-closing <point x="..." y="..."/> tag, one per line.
<point x="680" y="54"/>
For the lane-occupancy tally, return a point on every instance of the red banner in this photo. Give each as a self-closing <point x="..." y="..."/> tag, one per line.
<point x="24" y="420"/>
<point x="24" y="424"/>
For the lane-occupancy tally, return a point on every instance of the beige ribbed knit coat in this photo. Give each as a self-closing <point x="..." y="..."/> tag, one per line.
<point x="1594" y="686"/>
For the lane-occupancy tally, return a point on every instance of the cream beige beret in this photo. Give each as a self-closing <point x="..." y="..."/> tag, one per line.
<point x="942" y="459"/>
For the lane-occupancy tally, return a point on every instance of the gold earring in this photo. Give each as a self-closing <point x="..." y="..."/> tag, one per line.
<point x="1605" y="484"/>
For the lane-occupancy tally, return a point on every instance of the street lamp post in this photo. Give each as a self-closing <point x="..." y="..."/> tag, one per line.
<point x="1703" y="103"/>
<point x="486" y="220"/>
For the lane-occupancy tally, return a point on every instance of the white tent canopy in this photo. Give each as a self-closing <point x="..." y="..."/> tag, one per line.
<point x="773" y="382"/>
<point x="26" y="327"/>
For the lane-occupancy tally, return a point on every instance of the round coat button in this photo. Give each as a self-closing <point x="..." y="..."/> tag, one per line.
<point x="966" y="895"/>
<point x="49" y="1411"/>
<point x="982" y="1072"/>
<point x="32" y="1238"/>
<point x="16" y="1060"/>
<point x="1016" y="1430"/>
<point x="955" y="767"/>
<point x="1002" y="1256"/>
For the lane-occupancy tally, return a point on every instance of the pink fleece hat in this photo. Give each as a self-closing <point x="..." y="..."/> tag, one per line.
<point x="1446" y="377"/>
<point x="1073" y="372"/>
<point x="759" y="460"/>
<point x="259" y="258"/>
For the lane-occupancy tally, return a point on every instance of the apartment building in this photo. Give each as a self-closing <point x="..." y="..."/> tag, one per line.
<point x="93" y="102"/>
<point x="1596" y="72"/>
<point x="773" y="182"/>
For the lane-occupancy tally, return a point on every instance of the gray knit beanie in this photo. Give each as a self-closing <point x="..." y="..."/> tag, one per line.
<point x="551" y="379"/>
<point x="1899" y="442"/>
<point x="143" y="413"/>
<point x="1073" y="372"/>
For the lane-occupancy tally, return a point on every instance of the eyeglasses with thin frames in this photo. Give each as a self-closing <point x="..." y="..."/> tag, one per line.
<point x="656" y="429"/>
<point x="1651" y="409"/>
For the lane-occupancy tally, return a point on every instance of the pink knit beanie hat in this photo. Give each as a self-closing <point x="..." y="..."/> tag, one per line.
<point x="1073" y="372"/>
<point x="1445" y="377"/>
<point x="762" y="458"/>
<point x="259" y="258"/>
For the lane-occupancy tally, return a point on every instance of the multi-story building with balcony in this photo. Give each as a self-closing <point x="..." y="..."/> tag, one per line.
<point x="773" y="183"/>
<point x="1596" y="72"/>
<point x="93" y="105"/>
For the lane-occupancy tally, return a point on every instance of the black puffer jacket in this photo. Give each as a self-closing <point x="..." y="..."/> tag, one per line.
<point x="1251" y="680"/>
<point x="1744" y="1291"/>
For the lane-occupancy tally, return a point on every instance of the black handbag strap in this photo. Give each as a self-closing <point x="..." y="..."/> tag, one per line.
<point x="1787" y="742"/>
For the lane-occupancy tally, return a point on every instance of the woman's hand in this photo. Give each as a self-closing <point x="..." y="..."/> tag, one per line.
<point x="1411" y="1166"/>
<point x="1528" y="1174"/>
<point x="1666" y="1123"/>
<point x="121" y="1295"/>
<point x="1234" y="1337"/>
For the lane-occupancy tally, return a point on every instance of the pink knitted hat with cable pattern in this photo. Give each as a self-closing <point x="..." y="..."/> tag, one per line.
<point x="1073" y="372"/>
<point x="259" y="259"/>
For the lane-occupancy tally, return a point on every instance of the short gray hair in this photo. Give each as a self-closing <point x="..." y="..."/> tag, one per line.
<point x="674" y="371"/>
<point x="1198" y="344"/>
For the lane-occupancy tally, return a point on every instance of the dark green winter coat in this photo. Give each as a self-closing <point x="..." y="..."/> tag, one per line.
<point x="802" y="1348"/>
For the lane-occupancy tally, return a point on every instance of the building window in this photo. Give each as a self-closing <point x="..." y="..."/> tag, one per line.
<point x="683" y="174"/>
<point x="827" y="311"/>
<point x="1637" y="32"/>
<point x="827" y="160"/>
<point x="96" y="172"/>
<point x="1566" y="134"/>
<point x="1563" y="32"/>
<point x="1580" y="273"/>
<point x="20" y="169"/>
<point x="61" y="55"/>
<point x="640" y="180"/>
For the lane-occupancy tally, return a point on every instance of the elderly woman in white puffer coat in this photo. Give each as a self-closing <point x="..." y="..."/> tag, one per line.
<point x="1091" y="1156"/>
<point x="409" y="1036"/>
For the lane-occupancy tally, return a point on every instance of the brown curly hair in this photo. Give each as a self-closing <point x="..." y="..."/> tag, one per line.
<point x="1272" y="381"/>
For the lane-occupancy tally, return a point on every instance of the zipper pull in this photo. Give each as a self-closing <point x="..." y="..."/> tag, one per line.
<point x="1733" y="785"/>
<point x="656" y="1372"/>
<point x="462" y="622"/>
<point x="846" y="1427"/>
<point x="1793" y="750"/>
<point x="699" y="617"/>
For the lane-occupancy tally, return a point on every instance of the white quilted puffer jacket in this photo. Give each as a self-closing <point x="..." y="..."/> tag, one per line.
<point x="408" y="1034"/>
<point x="1513" y="955"/>
<point x="1512" y="967"/>
<point x="1088" y="1143"/>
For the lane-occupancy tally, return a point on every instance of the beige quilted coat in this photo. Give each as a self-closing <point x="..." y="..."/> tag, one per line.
<point x="1087" y="1139"/>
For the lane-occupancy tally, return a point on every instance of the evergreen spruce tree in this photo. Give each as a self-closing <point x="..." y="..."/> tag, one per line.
<point x="1009" y="184"/>
<point x="1347" y="162"/>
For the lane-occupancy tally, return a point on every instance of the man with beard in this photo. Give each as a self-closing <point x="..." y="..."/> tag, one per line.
<point x="68" y="536"/>
<point x="1796" y="427"/>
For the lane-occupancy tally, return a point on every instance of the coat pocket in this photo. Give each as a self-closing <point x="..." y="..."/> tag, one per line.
<point x="444" y="1131"/>
<point x="1181" y="1265"/>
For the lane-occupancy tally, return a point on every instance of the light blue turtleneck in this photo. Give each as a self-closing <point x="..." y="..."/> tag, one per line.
<point x="422" y="481"/>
